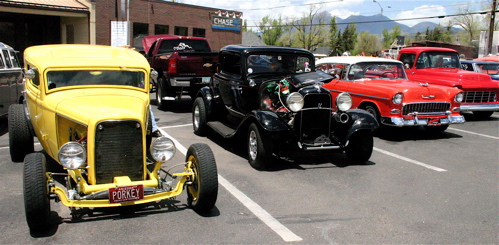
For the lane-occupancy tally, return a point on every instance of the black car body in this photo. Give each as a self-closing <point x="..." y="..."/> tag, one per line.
<point x="274" y="96"/>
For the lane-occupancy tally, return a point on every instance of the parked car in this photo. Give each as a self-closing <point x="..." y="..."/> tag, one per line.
<point x="274" y="98"/>
<point x="185" y="64"/>
<point x="488" y="67"/>
<point x="11" y="78"/>
<point x="89" y="107"/>
<point x="441" y="66"/>
<point x="380" y="86"/>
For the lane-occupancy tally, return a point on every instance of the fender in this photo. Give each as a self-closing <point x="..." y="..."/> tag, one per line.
<point x="361" y="120"/>
<point x="209" y="100"/>
<point x="268" y="120"/>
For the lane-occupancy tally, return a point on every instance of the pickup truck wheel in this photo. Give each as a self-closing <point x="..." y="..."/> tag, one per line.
<point x="160" y="93"/>
<point x="202" y="193"/>
<point x="482" y="115"/>
<point x="360" y="146"/>
<point x="21" y="140"/>
<point x="199" y="117"/>
<point x="36" y="199"/>
<point x="259" y="148"/>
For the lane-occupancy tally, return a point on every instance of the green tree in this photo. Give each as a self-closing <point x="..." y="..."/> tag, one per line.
<point x="334" y="37"/>
<point x="271" y="30"/>
<point x="367" y="43"/>
<point x="348" y="38"/>
<point x="470" y="23"/>
<point x="310" y="31"/>
<point x="390" y="37"/>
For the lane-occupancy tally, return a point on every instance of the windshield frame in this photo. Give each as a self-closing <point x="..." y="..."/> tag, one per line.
<point x="277" y="63"/>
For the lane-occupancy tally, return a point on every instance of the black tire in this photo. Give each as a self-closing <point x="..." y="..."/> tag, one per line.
<point x="21" y="141"/>
<point x="436" y="129"/>
<point x="36" y="199"/>
<point x="259" y="148"/>
<point x="202" y="194"/>
<point x="482" y="115"/>
<point x="199" y="117"/>
<point x="373" y="110"/>
<point x="360" y="146"/>
<point x="161" y="91"/>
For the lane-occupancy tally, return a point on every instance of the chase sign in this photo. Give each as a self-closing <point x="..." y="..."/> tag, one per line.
<point x="225" y="23"/>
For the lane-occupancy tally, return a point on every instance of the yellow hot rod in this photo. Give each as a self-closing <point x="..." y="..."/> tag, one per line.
<point x="89" y="107"/>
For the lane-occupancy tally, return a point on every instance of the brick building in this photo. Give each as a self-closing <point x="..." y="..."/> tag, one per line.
<point x="24" y="23"/>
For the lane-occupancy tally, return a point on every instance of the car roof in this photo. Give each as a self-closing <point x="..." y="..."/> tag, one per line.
<point x="354" y="59"/>
<point x="478" y="62"/>
<point x="421" y="49"/>
<point x="5" y="46"/>
<point x="264" y="48"/>
<point x="83" y="55"/>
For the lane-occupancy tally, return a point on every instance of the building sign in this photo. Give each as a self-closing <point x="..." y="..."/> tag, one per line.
<point x="225" y="23"/>
<point x="119" y="33"/>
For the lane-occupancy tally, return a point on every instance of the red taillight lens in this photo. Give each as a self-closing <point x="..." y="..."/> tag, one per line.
<point x="172" y="65"/>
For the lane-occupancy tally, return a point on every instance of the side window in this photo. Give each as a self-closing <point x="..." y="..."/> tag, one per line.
<point x="231" y="64"/>
<point x="2" y="64"/>
<point x="408" y="60"/>
<point x="423" y="61"/>
<point x="8" y="61"/>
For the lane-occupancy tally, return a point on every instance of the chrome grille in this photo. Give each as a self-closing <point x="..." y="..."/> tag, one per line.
<point x="118" y="151"/>
<point x="430" y="108"/>
<point x="479" y="96"/>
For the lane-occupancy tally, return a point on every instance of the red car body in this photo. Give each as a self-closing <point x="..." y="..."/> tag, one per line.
<point x="381" y="87"/>
<point x="480" y="90"/>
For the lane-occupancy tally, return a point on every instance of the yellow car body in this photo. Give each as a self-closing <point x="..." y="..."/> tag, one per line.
<point x="89" y="107"/>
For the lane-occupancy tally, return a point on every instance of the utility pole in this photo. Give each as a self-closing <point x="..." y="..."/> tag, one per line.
<point x="491" y="26"/>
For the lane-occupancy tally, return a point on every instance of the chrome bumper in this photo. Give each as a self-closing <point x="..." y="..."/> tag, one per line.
<point x="186" y="81"/>
<point x="416" y="121"/>
<point x="480" y="107"/>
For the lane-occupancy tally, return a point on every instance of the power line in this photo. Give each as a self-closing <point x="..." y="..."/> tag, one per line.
<point x="379" y="21"/>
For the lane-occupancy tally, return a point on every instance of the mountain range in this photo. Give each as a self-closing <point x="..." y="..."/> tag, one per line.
<point x="375" y="23"/>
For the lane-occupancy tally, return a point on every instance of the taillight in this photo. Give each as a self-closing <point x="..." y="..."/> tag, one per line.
<point x="172" y="65"/>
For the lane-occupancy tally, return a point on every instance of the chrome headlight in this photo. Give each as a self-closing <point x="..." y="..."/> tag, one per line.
<point x="344" y="101"/>
<point x="72" y="155"/>
<point x="295" y="101"/>
<point x="397" y="98"/>
<point x="162" y="149"/>
<point x="459" y="97"/>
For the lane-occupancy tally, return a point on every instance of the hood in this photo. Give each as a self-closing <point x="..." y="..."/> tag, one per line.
<point x="90" y="107"/>
<point x="459" y="77"/>
<point x="149" y="40"/>
<point x="413" y="91"/>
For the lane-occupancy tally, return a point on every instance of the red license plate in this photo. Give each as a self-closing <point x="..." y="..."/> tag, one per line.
<point x="434" y="122"/>
<point x="126" y="193"/>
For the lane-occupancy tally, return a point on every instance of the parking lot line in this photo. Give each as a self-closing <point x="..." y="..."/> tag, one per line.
<point x="286" y="234"/>
<point x="409" y="160"/>
<point x="468" y="132"/>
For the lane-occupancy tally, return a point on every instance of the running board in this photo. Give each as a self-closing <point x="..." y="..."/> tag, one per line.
<point x="222" y="129"/>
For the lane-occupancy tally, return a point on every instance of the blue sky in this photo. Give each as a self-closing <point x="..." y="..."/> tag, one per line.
<point x="254" y="10"/>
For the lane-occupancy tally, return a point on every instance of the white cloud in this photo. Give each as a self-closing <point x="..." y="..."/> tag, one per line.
<point x="422" y="11"/>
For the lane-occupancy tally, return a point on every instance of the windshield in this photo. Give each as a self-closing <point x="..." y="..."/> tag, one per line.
<point x="58" y="79"/>
<point x="279" y="63"/>
<point x="438" y="59"/>
<point x="376" y="70"/>
<point x="183" y="45"/>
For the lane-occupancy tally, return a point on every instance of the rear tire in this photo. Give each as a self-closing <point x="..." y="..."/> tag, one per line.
<point x="161" y="92"/>
<point x="36" y="199"/>
<point x="21" y="141"/>
<point x="360" y="146"/>
<point x="199" y="117"/>
<point x="259" y="148"/>
<point x="202" y="194"/>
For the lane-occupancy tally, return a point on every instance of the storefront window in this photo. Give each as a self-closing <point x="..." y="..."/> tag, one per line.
<point x="181" y="31"/>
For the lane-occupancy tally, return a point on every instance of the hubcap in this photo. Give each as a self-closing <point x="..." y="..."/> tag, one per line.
<point x="252" y="145"/>
<point x="196" y="116"/>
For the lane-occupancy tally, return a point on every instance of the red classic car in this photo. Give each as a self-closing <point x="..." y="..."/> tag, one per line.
<point x="441" y="66"/>
<point x="380" y="86"/>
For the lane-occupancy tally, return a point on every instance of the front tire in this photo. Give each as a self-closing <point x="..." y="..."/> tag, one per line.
<point x="21" y="141"/>
<point x="482" y="115"/>
<point x="259" y="148"/>
<point x="202" y="194"/>
<point x="199" y="117"/>
<point x="36" y="199"/>
<point x="360" y="147"/>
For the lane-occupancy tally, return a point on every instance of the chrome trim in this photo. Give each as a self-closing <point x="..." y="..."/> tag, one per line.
<point x="401" y="122"/>
<point x="480" y="107"/>
<point x="369" y="96"/>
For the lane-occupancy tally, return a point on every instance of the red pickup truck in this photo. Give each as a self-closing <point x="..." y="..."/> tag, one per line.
<point x="442" y="66"/>
<point x="184" y="64"/>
